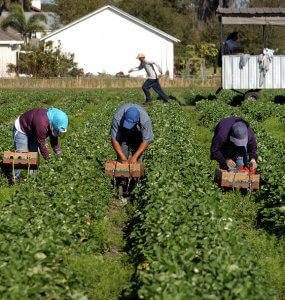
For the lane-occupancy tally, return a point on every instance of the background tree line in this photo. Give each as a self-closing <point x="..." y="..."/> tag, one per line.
<point x="192" y="21"/>
<point x="6" y="4"/>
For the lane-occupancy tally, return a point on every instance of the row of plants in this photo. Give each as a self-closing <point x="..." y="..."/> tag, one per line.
<point x="55" y="214"/>
<point x="15" y="102"/>
<point x="184" y="241"/>
<point x="271" y="196"/>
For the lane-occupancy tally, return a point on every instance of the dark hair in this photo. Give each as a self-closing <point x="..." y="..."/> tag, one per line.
<point x="232" y="35"/>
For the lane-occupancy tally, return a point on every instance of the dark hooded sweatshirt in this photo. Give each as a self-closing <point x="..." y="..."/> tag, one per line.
<point x="221" y="140"/>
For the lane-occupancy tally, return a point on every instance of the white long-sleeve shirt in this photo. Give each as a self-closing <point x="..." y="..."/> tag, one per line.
<point x="148" y="65"/>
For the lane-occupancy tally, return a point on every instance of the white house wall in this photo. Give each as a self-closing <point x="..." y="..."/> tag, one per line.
<point x="8" y="55"/>
<point x="109" y="43"/>
<point x="249" y="76"/>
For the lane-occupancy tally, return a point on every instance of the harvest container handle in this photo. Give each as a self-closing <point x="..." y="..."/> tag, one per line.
<point x="114" y="171"/>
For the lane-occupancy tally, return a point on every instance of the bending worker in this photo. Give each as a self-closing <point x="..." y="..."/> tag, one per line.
<point x="131" y="132"/>
<point x="34" y="126"/>
<point x="234" y="143"/>
<point x="152" y="81"/>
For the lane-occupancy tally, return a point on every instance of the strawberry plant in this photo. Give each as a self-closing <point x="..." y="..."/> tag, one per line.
<point x="271" y="196"/>
<point x="184" y="241"/>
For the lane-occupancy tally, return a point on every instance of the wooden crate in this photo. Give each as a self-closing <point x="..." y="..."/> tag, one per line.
<point x="21" y="160"/>
<point x="237" y="179"/>
<point x="117" y="169"/>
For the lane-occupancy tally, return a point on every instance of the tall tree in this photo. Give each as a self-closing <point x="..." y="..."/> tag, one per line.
<point x="206" y="8"/>
<point x="17" y="20"/>
<point x="72" y="10"/>
<point x="5" y="4"/>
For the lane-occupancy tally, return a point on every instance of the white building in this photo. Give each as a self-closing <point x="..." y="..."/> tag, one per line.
<point x="108" y="40"/>
<point x="36" y="5"/>
<point x="10" y="43"/>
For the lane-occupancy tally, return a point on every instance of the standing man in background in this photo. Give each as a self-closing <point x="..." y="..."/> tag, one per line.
<point x="152" y="81"/>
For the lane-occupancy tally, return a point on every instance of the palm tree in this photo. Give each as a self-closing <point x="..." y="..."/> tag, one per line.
<point x="17" y="20"/>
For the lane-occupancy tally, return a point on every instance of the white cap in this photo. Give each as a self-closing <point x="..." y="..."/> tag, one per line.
<point x="140" y="55"/>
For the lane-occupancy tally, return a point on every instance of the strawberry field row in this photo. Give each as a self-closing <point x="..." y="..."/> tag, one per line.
<point x="52" y="216"/>
<point x="271" y="197"/>
<point x="186" y="243"/>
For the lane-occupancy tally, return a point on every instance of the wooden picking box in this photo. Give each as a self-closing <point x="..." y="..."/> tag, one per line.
<point x="237" y="179"/>
<point x="21" y="160"/>
<point x="118" y="169"/>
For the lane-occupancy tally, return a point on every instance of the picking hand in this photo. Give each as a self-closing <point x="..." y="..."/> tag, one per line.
<point x="133" y="160"/>
<point x="230" y="163"/>
<point x="253" y="163"/>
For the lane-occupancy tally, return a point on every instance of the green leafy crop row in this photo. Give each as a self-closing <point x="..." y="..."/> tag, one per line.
<point x="271" y="196"/>
<point x="53" y="214"/>
<point x="186" y="244"/>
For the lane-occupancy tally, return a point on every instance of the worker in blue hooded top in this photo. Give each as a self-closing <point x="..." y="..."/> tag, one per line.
<point x="131" y="132"/>
<point x="31" y="129"/>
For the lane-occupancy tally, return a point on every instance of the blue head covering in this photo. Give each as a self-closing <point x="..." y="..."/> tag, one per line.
<point x="58" y="119"/>
<point x="131" y="117"/>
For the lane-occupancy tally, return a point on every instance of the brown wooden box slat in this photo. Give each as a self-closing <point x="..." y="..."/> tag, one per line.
<point x="237" y="180"/>
<point x="117" y="169"/>
<point x="21" y="160"/>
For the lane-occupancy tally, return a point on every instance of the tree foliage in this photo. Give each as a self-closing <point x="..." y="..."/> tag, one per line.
<point x="44" y="62"/>
<point x="191" y="21"/>
<point x="5" y="4"/>
<point x="18" y="21"/>
<point x="75" y="9"/>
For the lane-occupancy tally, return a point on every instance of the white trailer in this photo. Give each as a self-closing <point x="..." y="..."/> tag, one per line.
<point x="249" y="77"/>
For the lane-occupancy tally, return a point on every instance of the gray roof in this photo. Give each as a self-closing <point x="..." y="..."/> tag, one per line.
<point x="10" y="35"/>
<point x="53" y="19"/>
<point x="257" y="11"/>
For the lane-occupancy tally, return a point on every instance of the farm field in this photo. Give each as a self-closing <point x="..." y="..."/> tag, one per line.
<point x="64" y="234"/>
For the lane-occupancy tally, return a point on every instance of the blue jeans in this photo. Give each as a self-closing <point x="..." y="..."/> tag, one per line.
<point x="153" y="83"/>
<point x="23" y="143"/>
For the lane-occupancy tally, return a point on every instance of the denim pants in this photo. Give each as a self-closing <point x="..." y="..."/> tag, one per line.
<point x="153" y="83"/>
<point x="24" y="143"/>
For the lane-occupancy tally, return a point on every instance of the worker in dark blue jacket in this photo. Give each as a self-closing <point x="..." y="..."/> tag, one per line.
<point x="234" y="144"/>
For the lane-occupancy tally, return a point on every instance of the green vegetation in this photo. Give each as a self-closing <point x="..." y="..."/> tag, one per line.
<point x="65" y="235"/>
<point x="45" y="62"/>
<point x="26" y="27"/>
<point x="60" y="217"/>
<point x="275" y="127"/>
<point x="267" y="248"/>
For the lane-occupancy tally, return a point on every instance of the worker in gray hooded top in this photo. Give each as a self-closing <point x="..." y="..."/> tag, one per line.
<point x="131" y="132"/>
<point x="152" y="81"/>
